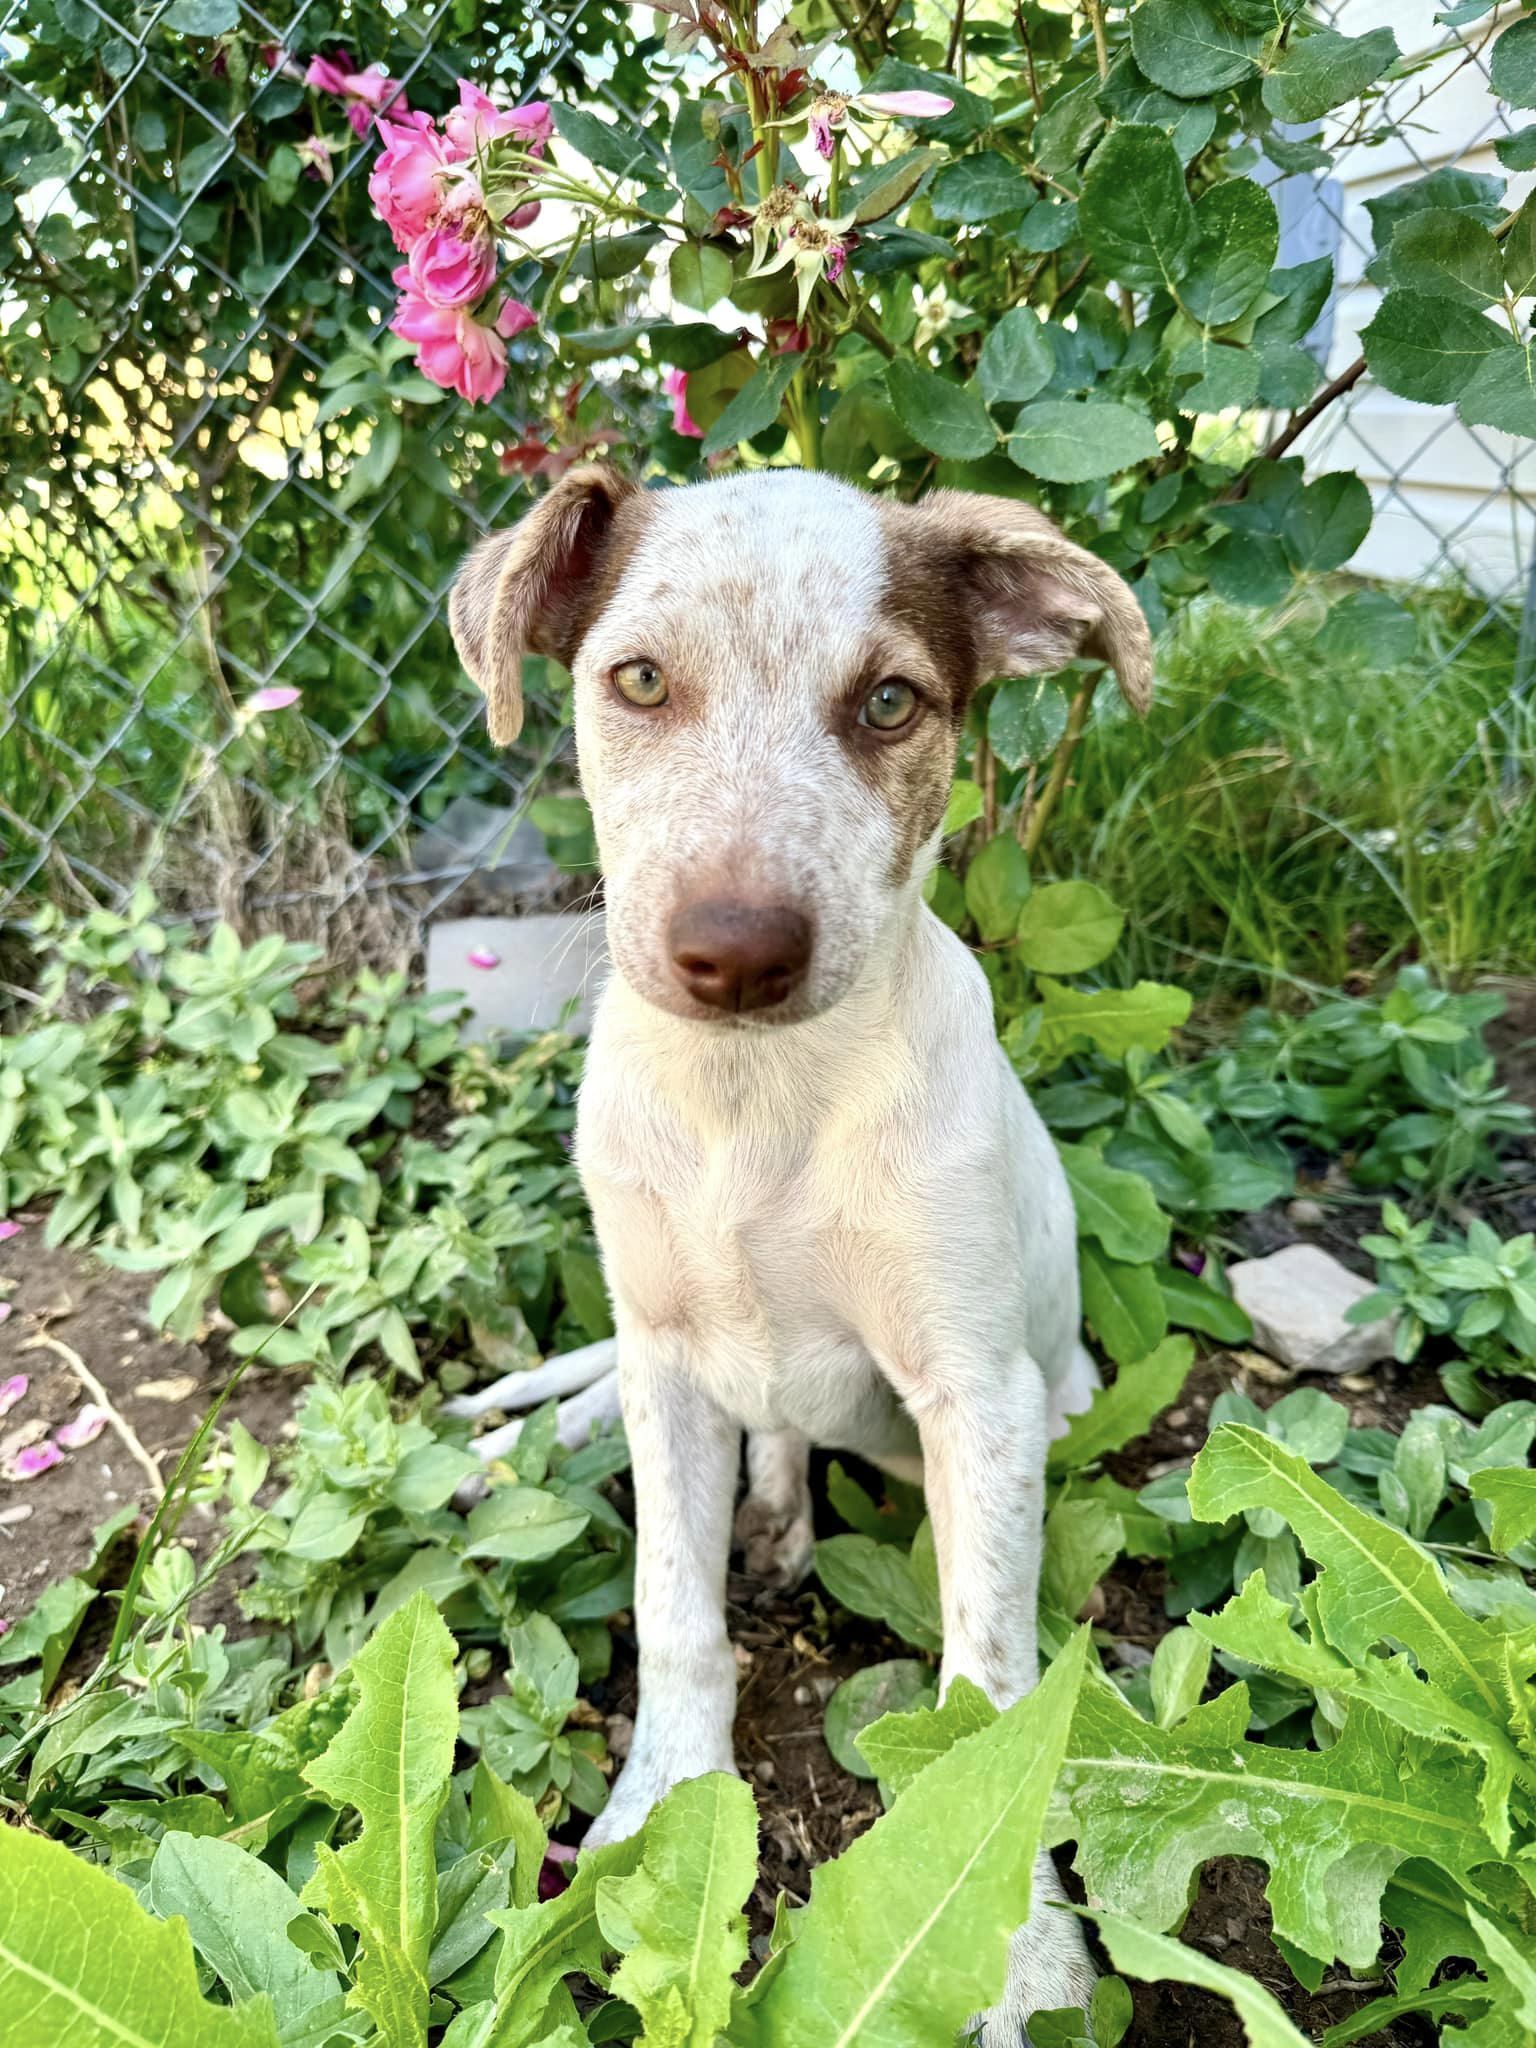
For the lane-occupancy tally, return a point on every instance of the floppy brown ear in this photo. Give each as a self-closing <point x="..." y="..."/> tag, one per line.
<point x="531" y="590"/>
<point x="1038" y="599"/>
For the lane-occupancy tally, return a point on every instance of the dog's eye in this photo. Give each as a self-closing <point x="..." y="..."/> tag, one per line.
<point x="889" y="706"/>
<point x="642" y="683"/>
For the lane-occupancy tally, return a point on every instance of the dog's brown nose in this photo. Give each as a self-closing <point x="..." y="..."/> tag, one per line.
<point x="739" y="956"/>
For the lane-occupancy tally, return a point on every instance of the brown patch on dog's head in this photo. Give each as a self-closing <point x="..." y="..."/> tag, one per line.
<point x="536" y="588"/>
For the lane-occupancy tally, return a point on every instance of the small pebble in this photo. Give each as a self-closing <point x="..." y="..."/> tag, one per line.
<point x="742" y="1655"/>
<point x="1306" y="1213"/>
<point x="764" y="1770"/>
<point x="621" y="1735"/>
<point x="803" y="1695"/>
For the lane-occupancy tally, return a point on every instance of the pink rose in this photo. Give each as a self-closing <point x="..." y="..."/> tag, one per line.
<point x="367" y="93"/>
<point x="405" y="183"/>
<point x="329" y="74"/>
<point x="450" y="268"/>
<point x="675" y="385"/>
<point x="477" y="120"/>
<point x="453" y="349"/>
<point x="514" y="318"/>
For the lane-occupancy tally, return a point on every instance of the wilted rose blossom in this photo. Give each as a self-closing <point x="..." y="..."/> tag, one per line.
<point x="13" y="1390"/>
<point x="275" y="697"/>
<point x="34" y="1460"/>
<point x="514" y="319"/>
<point x="82" y="1429"/>
<point x="675" y="385"/>
<point x="477" y="120"/>
<point x="453" y="349"/>
<point x="787" y="338"/>
<point x="406" y="184"/>
<point x="367" y="93"/>
<point x="315" y="154"/>
<point x="449" y="267"/>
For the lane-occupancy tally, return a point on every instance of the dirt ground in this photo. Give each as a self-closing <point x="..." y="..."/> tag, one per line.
<point x="791" y="1649"/>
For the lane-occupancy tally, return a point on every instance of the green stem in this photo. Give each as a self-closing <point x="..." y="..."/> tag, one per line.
<point x="807" y="418"/>
<point x="1077" y="719"/>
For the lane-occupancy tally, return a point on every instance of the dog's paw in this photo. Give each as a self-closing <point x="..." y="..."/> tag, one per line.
<point x="776" y="1546"/>
<point x="1048" y="1968"/>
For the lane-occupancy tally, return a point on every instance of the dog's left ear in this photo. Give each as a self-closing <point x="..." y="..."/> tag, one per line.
<point x="529" y="590"/>
<point x="1036" y="598"/>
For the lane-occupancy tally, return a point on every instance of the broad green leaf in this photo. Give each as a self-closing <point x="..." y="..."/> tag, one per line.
<point x="545" y="1942"/>
<point x="997" y="887"/>
<point x="1443" y="255"/>
<point x="699" y="274"/>
<point x="907" y="1931"/>
<point x="1512" y="68"/>
<point x="1248" y="568"/>
<point x="978" y="188"/>
<point x="238" y="1912"/>
<point x="754" y="407"/>
<point x="1191" y="47"/>
<point x="1070" y="443"/>
<point x="1512" y="1496"/>
<point x="1369" y="628"/>
<point x="391" y="1763"/>
<point x="945" y="417"/>
<point x="888" y="185"/>
<point x="966" y="804"/>
<point x="1514" y="1966"/>
<point x="1016" y="359"/>
<point x="883" y="1581"/>
<point x="498" y="1813"/>
<point x="1427" y="349"/>
<point x="1374" y="1582"/>
<point x="1181" y="1664"/>
<point x="874" y="1690"/>
<point x="1026" y="719"/>
<point x="1135" y="213"/>
<point x="1317" y="72"/>
<point x="1068" y="927"/>
<point x="1148" y="1805"/>
<point x="1126" y="1410"/>
<point x="1116" y="1208"/>
<point x="1194" y="1306"/>
<point x="611" y="146"/>
<point x="1238" y="236"/>
<point x="1517" y="252"/>
<point x="1159" y="1959"/>
<point x="1123" y="1304"/>
<point x="82" y="1962"/>
<point x="1501" y="392"/>
<point x="204" y="17"/>
<point x="1327" y="520"/>
<point x="1083" y="1538"/>
<point x="902" y="1745"/>
<point x="1257" y="1628"/>
<point x="524" y="1523"/>
<point x="1113" y="1020"/>
<point x="677" y="1920"/>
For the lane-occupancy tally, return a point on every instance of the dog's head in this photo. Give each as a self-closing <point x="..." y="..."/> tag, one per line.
<point x="770" y="674"/>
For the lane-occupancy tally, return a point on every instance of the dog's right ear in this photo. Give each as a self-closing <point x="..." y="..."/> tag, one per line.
<point x="530" y="590"/>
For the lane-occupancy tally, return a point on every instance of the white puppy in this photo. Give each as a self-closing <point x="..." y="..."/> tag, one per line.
<point x="827" y="1210"/>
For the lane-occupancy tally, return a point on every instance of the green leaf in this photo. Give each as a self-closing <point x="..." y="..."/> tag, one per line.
<point x="1016" y="359"/>
<point x="204" y="17"/>
<point x="894" y="1687"/>
<point x="677" y="1920"/>
<point x="1317" y="72"/>
<point x="1517" y="252"/>
<point x="1512" y="1495"/>
<point x="617" y="147"/>
<point x="1082" y="1540"/>
<point x="1181" y="1665"/>
<point x="1126" y="1410"/>
<point x="391" y="1762"/>
<point x="1238" y="234"/>
<point x="902" y="1745"/>
<point x="1427" y="349"/>
<point x="1068" y="927"/>
<point x="997" y="887"/>
<point x="1135" y="213"/>
<point x="945" y="417"/>
<point x="1325" y="522"/>
<point x="1442" y="254"/>
<point x="48" y="1628"/>
<point x="1194" y="1306"/>
<point x="1025" y="720"/>
<point x="972" y="189"/>
<point x="1371" y="629"/>
<point x="1114" y="1207"/>
<point x="85" y="1964"/>
<point x="1114" y="1021"/>
<point x="1512" y="69"/>
<point x="1190" y="47"/>
<point x="1517" y="152"/>
<point x="700" y="275"/>
<point x="1066" y="442"/>
<point x="755" y="406"/>
<point x="1248" y="568"/>
<point x="238" y="1912"/>
<point x="1502" y="392"/>
<point x="1159" y="1959"/>
<point x="966" y="804"/>
<point x="545" y="1942"/>
<point x="911" y="1925"/>
<point x="888" y="185"/>
<point x="1123" y="1304"/>
<point x="884" y="1582"/>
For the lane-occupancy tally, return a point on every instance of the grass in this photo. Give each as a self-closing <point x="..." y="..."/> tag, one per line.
<point x="1284" y="819"/>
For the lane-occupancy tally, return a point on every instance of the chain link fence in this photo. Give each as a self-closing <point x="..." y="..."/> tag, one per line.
<point x="198" y="513"/>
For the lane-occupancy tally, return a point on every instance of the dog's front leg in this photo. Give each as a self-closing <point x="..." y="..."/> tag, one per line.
<point x="984" y="1437"/>
<point x="685" y="1455"/>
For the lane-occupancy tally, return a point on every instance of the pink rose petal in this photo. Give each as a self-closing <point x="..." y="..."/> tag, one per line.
<point x="4" y="1626"/>
<point x="9" y="1230"/>
<point x="482" y="956"/>
<point x="35" y="1460"/>
<point x="275" y="697"/>
<point x="83" y="1429"/>
<point x="913" y="106"/>
<point x="5" y="1311"/>
<point x="12" y="1390"/>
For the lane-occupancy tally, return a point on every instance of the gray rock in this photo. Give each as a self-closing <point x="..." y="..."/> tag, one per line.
<point x="519" y="973"/>
<point x="1297" y="1299"/>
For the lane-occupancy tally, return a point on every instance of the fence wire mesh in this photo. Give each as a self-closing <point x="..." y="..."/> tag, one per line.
<point x="192" y="516"/>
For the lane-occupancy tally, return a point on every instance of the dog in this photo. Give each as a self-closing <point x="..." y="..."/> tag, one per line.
<point x="827" y="1210"/>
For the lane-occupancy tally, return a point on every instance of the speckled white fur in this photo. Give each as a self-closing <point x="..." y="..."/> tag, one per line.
<point x="849" y="1229"/>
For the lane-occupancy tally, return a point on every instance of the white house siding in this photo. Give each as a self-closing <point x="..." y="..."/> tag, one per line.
<point x="1448" y="497"/>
